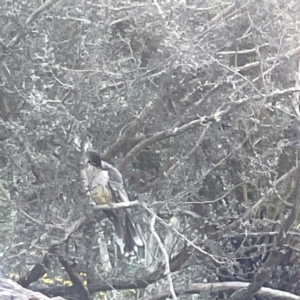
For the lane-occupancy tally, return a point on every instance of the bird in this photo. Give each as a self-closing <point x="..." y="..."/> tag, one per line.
<point x="105" y="185"/>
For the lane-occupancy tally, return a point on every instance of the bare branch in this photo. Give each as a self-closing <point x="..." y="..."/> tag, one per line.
<point x="191" y="152"/>
<point x="237" y="73"/>
<point x="182" y="236"/>
<point x="252" y="210"/>
<point x="272" y="59"/>
<point x="32" y="17"/>
<point x="223" y="287"/>
<point x="217" y="116"/>
<point x="225" y="12"/>
<point x="139" y="280"/>
<point x="296" y="97"/>
<point x="130" y="131"/>
<point x="38" y="271"/>
<point x="166" y="255"/>
<point x="246" y="51"/>
<point x="31" y="218"/>
<point x="155" y="138"/>
<point x="158" y="7"/>
<point x="260" y="277"/>
<point x="113" y="206"/>
<point x="76" y="280"/>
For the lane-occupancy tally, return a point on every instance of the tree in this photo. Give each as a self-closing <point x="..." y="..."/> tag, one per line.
<point x="195" y="102"/>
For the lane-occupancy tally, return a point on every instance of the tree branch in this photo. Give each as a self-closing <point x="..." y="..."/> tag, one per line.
<point x="130" y="131"/>
<point x="260" y="277"/>
<point x="142" y="279"/>
<point x="113" y="206"/>
<point x="183" y="236"/>
<point x="32" y="17"/>
<point x="256" y="63"/>
<point x="76" y="280"/>
<point x="166" y="255"/>
<point x="155" y="138"/>
<point x="251" y="210"/>
<point x="38" y="271"/>
<point x="222" y="287"/>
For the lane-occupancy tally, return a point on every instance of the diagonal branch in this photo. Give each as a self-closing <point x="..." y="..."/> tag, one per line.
<point x="275" y="256"/>
<point x="39" y="270"/>
<point x="31" y="18"/>
<point x="76" y="280"/>
<point x="191" y="152"/>
<point x="216" y="117"/>
<point x="183" y="236"/>
<point x="155" y="138"/>
<point x="252" y="210"/>
<point x="129" y="131"/>
<point x="141" y="279"/>
<point x="166" y="255"/>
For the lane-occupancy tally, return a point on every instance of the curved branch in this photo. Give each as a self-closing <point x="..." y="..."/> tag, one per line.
<point x="216" y="117"/>
<point x="38" y="271"/>
<point x="130" y="131"/>
<point x="142" y="279"/>
<point x="275" y="256"/>
<point x="76" y="280"/>
<point x="155" y="138"/>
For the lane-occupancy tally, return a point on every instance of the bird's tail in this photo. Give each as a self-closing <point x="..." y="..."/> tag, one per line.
<point x="132" y="237"/>
<point x="128" y="236"/>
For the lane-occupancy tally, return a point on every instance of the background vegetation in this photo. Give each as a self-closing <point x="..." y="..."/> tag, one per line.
<point x="197" y="104"/>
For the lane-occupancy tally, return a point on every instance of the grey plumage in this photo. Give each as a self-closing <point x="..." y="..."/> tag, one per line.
<point x="105" y="185"/>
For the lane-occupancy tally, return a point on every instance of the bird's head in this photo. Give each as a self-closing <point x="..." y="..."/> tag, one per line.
<point x="93" y="158"/>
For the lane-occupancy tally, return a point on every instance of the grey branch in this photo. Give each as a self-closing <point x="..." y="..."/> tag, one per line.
<point x="32" y="17"/>
<point x="223" y="286"/>
<point x="166" y="255"/>
<point x="113" y="206"/>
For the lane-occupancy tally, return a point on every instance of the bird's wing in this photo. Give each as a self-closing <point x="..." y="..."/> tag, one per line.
<point x="111" y="182"/>
<point x="131" y="236"/>
<point x="91" y="177"/>
<point x="115" y="182"/>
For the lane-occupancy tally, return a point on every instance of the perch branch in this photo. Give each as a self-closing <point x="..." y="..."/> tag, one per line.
<point x="113" y="206"/>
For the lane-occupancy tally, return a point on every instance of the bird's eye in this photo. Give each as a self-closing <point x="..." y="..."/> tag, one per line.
<point x="92" y="163"/>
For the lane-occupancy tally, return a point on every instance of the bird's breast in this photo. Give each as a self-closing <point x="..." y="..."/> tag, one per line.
<point x="103" y="195"/>
<point x="101" y="190"/>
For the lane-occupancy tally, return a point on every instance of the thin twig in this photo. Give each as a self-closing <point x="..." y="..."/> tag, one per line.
<point x="182" y="236"/>
<point x="237" y="73"/>
<point x="191" y="152"/>
<point x="252" y="210"/>
<point x="165" y="253"/>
